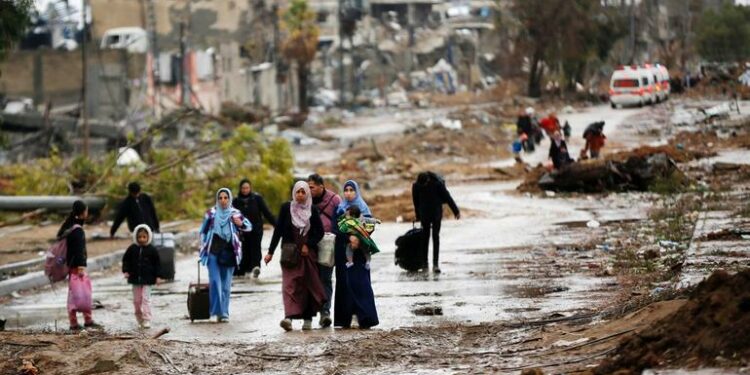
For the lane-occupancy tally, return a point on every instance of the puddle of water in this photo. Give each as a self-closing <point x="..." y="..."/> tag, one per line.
<point x="535" y="291"/>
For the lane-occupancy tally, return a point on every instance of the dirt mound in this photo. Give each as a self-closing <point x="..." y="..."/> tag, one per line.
<point x="711" y="329"/>
<point x="530" y="183"/>
<point x="679" y="156"/>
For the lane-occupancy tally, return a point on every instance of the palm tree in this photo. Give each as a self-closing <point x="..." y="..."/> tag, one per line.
<point x="301" y="43"/>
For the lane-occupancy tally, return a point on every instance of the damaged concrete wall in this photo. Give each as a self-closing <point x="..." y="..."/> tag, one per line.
<point x="210" y="22"/>
<point x="55" y="76"/>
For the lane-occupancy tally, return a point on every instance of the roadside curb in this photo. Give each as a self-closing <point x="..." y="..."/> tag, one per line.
<point x="38" y="279"/>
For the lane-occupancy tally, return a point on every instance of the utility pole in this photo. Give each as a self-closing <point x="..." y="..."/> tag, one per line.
<point x="685" y="43"/>
<point x="632" y="31"/>
<point x="155" y="76"/>
<point x="342" y="86"/>
<point x="276" y="55"/>
<point x="84" y="81"/>
<point x="185" y="95"/>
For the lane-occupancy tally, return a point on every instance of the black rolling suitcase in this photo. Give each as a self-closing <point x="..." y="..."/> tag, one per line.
<point x="408" y="256"/>
<point x="197" y="301"/>
<point x="165" y="246"/>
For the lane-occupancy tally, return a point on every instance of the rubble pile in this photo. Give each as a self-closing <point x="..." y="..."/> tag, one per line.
<point x="446" y="141"/>
<point x="711" y="329"/>
<point x="636" y="170"/>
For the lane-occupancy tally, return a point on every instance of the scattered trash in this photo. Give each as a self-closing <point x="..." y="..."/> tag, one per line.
<point x="718" y="111"/>
<point x="445" y="122"/>
<point x="593" y="224"/>
<point x="397" y="99"/>
<point x="19" y="106"/>
<point x="28" y="368"/>
<point x="428" y="311"/>
<point x="299" y="138"/>
<point x="129" y="157"/>
<point x="565" y="344"/>
<point x="549" y="193"/>
<point x="669" y="244"/>
<point x="604" y="247"/>
<point x="326" y="98"/>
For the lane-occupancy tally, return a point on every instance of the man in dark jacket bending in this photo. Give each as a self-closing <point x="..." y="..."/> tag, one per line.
<point x="138" y="208"/>
<point x="429" y="194"/>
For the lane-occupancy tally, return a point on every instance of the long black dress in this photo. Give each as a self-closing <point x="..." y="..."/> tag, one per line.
<point x="353" y="295"/>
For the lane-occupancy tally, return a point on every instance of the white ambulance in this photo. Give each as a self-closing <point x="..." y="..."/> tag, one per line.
<point x="661" y="75"/>
<point x="632" y="85"/>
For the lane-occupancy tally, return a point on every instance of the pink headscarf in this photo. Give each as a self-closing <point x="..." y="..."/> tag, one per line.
<point x="301" y="212"/>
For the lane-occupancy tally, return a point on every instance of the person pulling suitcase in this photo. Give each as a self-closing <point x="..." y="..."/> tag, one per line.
<point x="429" y="194"/>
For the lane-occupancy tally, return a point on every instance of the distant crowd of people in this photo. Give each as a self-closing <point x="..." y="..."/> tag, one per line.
<point x="531" y="131"/>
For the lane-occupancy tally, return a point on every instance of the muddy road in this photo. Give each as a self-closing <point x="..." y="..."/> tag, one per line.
<point x="512" y="270"/>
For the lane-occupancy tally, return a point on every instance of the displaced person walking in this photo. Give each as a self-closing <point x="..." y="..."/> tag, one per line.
<point x="595" y="139"/>
<point x="345" y="305"/>
<point x="550" y="124"/>
<point x="79" y="284"/>
<point x="326" y="201"/>
<point x="221" y="251"/>
<point x="359" y="249"/>
<point x="299" y="230"/>
<point x="140" y="266"/>
<point x="253" y="207"/>
<point x="558" y="151"/>
<point x="428" y="195"/>
<point x="525" y="130"/>
<point x="138" y="208"/>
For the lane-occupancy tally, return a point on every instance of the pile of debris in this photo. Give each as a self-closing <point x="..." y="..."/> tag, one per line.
<point x="634" y="170"/>
<point x="444" y="143"/>
<point x="711" y="329"/>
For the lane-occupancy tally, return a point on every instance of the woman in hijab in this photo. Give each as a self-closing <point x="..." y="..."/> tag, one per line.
<point x="221" y="250"/>
<point x="299" y="229"/>
<point x="79" y="284"/>
<point x="353" y="197"/>
<point x="354" y="295"/>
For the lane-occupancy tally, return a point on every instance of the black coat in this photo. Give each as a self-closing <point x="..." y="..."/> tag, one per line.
<point x="284" y="229"/>
<point x="76" y="255"/>
<point x="142" y="264"/>
<point x="524" y="125"/>
<point x="559" y="154"/>
<point x="428" y="200"/>
<point x="138" y="211"/>
<point x="254" y="208"/>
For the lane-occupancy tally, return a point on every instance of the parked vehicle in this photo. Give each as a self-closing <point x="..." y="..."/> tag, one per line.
<point x="132" y="39"/>
<point x="639" y="85"/>
<point x="661" y="81"/>
<point x="629" y="86"/>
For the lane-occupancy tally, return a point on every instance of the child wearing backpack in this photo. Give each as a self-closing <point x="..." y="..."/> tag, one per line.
<point x="359" y="229"/>
<point x="79" y="285"/>
<point x="141" y="266"/>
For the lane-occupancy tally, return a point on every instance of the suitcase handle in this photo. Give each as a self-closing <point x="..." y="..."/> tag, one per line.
<point x="199" y="272"/>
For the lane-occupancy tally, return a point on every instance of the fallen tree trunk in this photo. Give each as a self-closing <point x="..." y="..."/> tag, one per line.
<point x="636" y="172"/>
<point x="48" y="202"/>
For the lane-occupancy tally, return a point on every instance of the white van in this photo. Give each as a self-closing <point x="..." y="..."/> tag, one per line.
<point x="663" y="75"/>
<point x="631" y="85"/>
<point x="132" y="39"/>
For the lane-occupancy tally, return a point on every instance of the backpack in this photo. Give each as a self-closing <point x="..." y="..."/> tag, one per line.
<point x="55" y="265"/>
